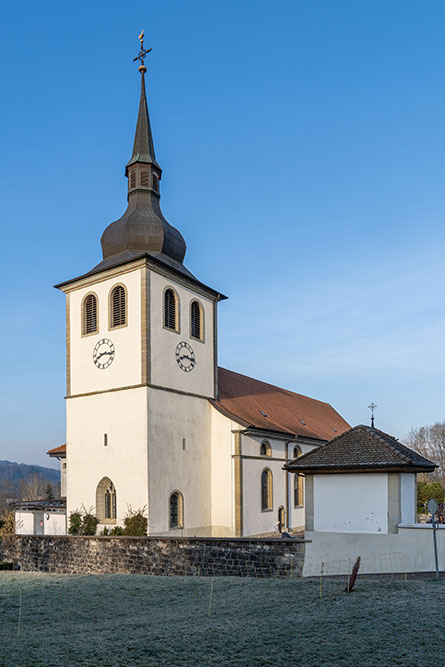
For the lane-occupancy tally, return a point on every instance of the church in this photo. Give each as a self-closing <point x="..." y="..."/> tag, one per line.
<point x="152" y="421"/>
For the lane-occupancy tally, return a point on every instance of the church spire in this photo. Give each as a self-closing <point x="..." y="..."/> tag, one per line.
<point x="143" y="147"/>
<point x="143" y="228"/>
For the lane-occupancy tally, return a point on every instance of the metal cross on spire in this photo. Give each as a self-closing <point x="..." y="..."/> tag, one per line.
<point x="142" y="53"/>
<point x="372" y="407"/>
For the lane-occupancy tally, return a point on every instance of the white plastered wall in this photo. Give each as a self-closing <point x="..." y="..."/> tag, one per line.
<point x="256" y="521"/>
<point x="408" y="497"/>
<point x="351" y="503"/>
<point x="222" y="491"/>
<point x="408" y="550"/>
<point x="122" y="415"/>
<point x="24" y="523"/>
<point x="54" y="523"/>
<point x="165" y="371"/>
<point x="173" y="418"/>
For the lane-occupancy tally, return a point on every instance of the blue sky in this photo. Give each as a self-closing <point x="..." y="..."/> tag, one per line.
<point x="302" y="145"/>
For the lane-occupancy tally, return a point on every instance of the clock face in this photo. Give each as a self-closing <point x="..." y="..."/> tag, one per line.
<point x="103" y="353"/>
<point x="185" y="357"/>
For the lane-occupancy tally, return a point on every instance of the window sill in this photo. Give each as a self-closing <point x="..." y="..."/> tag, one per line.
<point x="268" y="510"/>
<point x="197" y="340"/>
<point x="107" y="522"/>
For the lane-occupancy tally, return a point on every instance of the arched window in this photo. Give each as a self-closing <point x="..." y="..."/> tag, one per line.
<point x="106" y="509"/>
<point x="196" y="320"/>
<point x="298" y="491"/>
<point x="170" y="310"/>
<point x="266" y="449"/>
<point x="297" y="452"/>
<point x="176" y="510"/>
<point x="118" y="307"/>
<point x="266" y="490"/>
<point x="133" y="179"/>
<point x="281" y="519"/>
<point x="89" y="314"/>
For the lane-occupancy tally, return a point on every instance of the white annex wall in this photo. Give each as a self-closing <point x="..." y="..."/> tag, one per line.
<point x="54" y="523"/>
<point x="408" y="498"/>
<point x="24" y="523"/>
<point x="408" y="550"/>
<point x="165" y="371"/>
<point x="351" y="503"/>
<point x="122" y="415"/>
<point x="125" y="369"/>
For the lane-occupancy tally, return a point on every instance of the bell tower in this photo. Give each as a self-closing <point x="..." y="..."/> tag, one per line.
<point x="141" y="350"/>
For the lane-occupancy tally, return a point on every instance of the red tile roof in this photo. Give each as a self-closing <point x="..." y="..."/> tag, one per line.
<point x="58" y="451"/>
<point x="361" y="448"/>
<point x="263" y="406"/>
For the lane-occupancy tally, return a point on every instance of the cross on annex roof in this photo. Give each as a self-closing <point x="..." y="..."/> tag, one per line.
<point x="372" y="407"/>
<point x="142" y="53"/>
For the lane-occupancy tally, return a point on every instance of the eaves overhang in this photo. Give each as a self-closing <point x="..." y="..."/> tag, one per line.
<point x="365" y="468"/>
<point x="151" y="262"/>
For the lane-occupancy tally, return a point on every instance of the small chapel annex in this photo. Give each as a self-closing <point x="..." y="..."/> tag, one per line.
<point x="151" y="420"/>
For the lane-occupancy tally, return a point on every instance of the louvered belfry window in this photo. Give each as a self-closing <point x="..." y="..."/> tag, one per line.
<point x="118" y="310"/>
<point x="170" y="310"/>
<point x="90" y="314"/>
<point x="145" y="178"/>
<point x="133" y="179"/>
<point x="195" y="320"/>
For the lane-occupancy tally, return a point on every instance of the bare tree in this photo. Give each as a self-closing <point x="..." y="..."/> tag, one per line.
<point x="33" y="487"/>
<point x="430" y="442"/>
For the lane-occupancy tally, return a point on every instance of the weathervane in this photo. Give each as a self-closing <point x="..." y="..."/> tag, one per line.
<point x="372" y="407"/>
<point x="141" y="55"/>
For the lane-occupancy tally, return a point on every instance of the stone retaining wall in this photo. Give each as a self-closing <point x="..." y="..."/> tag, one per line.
<point x="180" y="556"/>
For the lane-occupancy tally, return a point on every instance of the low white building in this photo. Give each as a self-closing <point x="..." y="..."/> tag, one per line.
<point x="360" y="496"/>
<point x="40" y="517"/>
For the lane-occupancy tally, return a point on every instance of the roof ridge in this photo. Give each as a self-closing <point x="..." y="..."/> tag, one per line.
<point x="376" y="433"/>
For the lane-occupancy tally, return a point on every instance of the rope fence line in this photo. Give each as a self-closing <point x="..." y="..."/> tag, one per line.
<point x="380" y="568"/>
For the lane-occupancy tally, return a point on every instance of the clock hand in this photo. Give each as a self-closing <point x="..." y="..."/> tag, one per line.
<point x="101" y="355"/>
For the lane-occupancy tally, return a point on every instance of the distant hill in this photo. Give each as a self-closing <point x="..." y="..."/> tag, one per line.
<point x="20" y="481"/>
<point x="15" y="472"/>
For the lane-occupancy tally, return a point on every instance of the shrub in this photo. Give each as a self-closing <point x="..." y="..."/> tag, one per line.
<point x="89" y="524"/>
<point x="5" y="566"/>
<point x="75" y="527"/>
<point x="426" y="491"/>
<point x="116" y="530"/>
<point x="7" y="523"/>
<point x="83" y="523"/>
<point x="135" y="522"/>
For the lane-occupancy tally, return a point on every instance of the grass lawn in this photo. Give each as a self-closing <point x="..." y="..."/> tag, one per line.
<point x="139" y="620"/>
